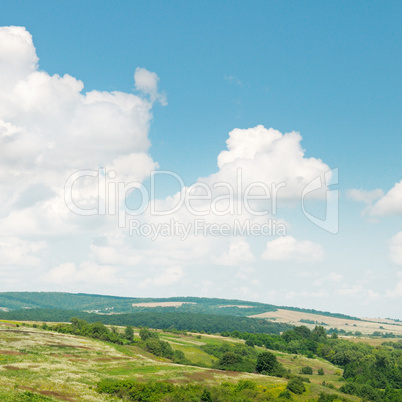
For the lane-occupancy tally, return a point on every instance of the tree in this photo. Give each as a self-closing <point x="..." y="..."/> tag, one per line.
<point x="319" y="333"/>
<point x="146" y="333"/>
<point x="267" y="363"/>
<point x="302" y="331"/>
<point x="229" y="359"/>
<point x="129" y="333"/>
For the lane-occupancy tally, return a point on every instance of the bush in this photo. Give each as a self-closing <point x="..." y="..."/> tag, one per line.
<point x="245" y="384"/>
<point x="306" y="370"/>
<point x="146" y="334"/>
<point x="296" y="386"/>
<point x="321" y="371"/>
<point x="285" y="394"/>
<point x="132" y="390"/>
<point x="159" y="348"/>
<point x="330" y="398"/>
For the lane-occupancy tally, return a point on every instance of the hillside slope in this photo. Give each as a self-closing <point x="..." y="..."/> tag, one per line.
<point x="67" y="367"/>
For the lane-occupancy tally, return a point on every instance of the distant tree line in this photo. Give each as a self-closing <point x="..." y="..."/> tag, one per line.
<point x="208" y="323"/>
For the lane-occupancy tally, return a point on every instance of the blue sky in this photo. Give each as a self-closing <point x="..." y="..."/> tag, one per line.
<point x="328" y="70"/>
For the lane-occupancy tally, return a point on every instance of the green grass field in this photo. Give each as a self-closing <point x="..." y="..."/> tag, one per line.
<point x="37" y="364"/>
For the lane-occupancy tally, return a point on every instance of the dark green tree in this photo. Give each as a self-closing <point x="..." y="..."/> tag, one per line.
<point x="129" y="333"/>
<point x="267" y="363"/>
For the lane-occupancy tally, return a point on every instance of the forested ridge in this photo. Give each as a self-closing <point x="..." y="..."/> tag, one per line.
<point x="163" y="320"/>
<point x="117" y="304"/>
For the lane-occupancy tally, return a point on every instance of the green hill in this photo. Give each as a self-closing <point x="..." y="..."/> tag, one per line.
<point x="115" y="304"/>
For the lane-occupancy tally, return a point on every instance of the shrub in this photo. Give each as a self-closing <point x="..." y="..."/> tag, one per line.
<point x="330" y="398"/>
<point x="296" y="385"/>
<point x="306" y="370"/>
<point x="245" y="384"/>
<point x="321" y="371"/>
<point x="159" y="348"/>
<point x="146" y="334"/>
<point x="250" y="343"/>
<point x="285" y="394"/>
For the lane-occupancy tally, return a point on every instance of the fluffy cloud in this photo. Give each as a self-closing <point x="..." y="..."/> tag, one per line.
<point x="166" y="277"/>
<point x="237" y="254"/>
<point x="365" y="196"/>
<point x="395" y="248"/>
<point x="390" y="203"/>
<point x="357" y="291"/>
<point x="17" y="55"/>
<point x="50" y="129"/>
<point x="289" y="249"/>
<point x="261" y="170"/>
<point x="147" y="82"/>
<point x="319" y="294"/>
<point x="87" y="273"/>
<point x="267" y="156"/>
<point x="17" y="252"/>
<point x="397" y="291"/>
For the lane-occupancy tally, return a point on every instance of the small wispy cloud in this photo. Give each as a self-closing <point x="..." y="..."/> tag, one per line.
<point x="232" y="79"/>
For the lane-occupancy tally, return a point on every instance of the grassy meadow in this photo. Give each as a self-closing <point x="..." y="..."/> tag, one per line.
<point x="36" y="364"/>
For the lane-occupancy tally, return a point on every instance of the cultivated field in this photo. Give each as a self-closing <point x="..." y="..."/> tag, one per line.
<point x="365" y="327"/>
<point x="160" y="304"/>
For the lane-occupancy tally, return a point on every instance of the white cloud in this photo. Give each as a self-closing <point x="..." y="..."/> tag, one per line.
<point x="237" y="254"/>
<point x="270" y="157"/>
<point x="289" y="249"/>
<point x="397" y="291"/>
<point x="166" y="277"/>
<point x="395" y="249"/>
<point x="50" y="129"/>
<point x="334" y="277"/>
<point x="245" y="273"/>
<point x="88" y="273"/>
<point x="318" y="282"/>
<point x="63" y="273"/>
<point x="318" y="294"/>
<point x="365" y="196"/>
<point x="169" y="276"/>
<point x="147" y="82"/>
<point x="354" y="290"/>
<point x="17" y="55"/>
<point x="390" y="203"/>
<point x="357" y="291"/>
<point x="233" y="80"/>
<point x="17" y="252"/>
<point x="373" y="296"/>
